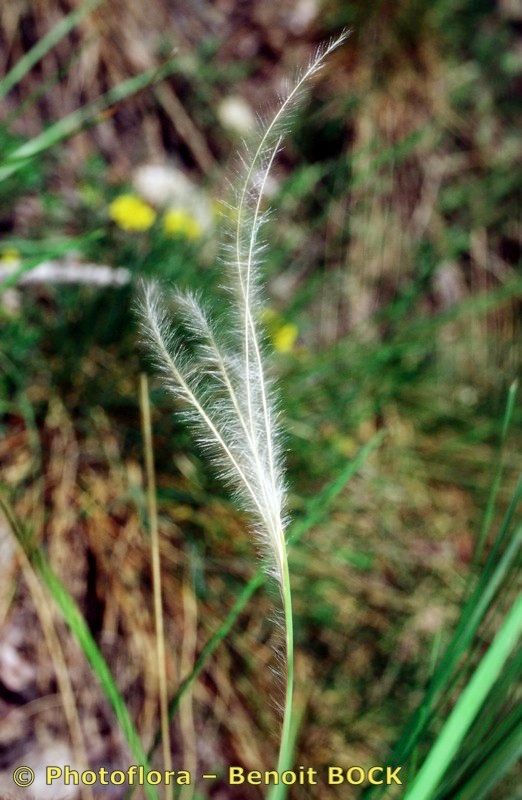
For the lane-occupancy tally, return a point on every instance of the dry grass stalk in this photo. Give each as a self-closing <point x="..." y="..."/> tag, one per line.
<point x="156" y="575"/>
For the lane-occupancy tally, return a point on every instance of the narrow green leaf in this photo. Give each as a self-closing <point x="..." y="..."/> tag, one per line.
<point x="41" y="88"/>
<point x="493" y="575"/>
<point x="487" y="728"/>
<point x="488" y="774"/>
<point x="78" y="627"/>
<point x="36" y="252"/>
<point x="467" y="707"/>
<point x="48" y="248"/>
<point x="87" y="114"/>
<point x="44" y="45"/>
<point x="318" y="507"/>
<point x="497" y="479"/>
<point x="490" y="728"/>
<point x="82" y="634"/>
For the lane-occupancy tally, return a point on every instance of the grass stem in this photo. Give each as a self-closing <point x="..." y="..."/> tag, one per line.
<point x="286" y="746"/>
<point x="156" y="574"/>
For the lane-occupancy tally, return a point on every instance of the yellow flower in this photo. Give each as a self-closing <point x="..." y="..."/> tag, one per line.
<point x="178" y="222"/>
<point x="131" y="213"/>
<point x="284" y="337"/>
<point x="346" y="445"/>
<point x="11" y="256"/>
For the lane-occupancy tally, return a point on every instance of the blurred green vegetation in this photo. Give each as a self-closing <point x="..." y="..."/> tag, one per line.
<point x="393" y="255"/>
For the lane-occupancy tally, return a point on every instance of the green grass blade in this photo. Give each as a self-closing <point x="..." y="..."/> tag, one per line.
<point x="436" y="648"/>
<point x="494" y="573"/>
<point x="484" y="752"/>
<point x="487" y="728"/>
<point x="44" y="45"/>
<point x="40" y="90"/>
<point x="481" y="303"/>
<point x="467" y="707"/>
<point x="497" y="479"/>
<point x="493" y="770"/>
<point x="505" y="526"/>
<point x="74" y="122"/>
<point x="33" y="253"/>
<point x="51" y="247"/>
<point x="82" y="634"/>
<point x="318" y="507"/>
<point x="494" y="723"/>
<point x="215" y="640"/>
<point x="78" y="627"/>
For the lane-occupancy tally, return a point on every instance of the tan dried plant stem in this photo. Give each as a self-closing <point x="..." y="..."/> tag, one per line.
<point x="156" y="574"/>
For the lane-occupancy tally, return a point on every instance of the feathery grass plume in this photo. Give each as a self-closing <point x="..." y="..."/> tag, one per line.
<point x="223" y="384"/>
